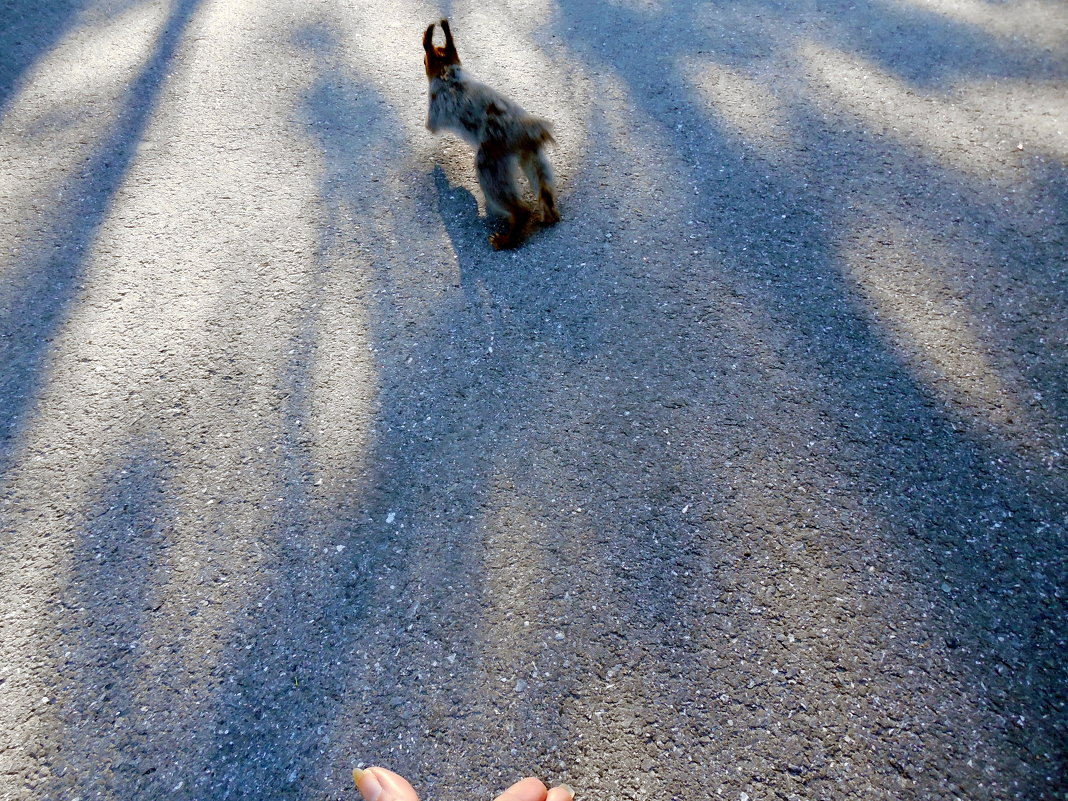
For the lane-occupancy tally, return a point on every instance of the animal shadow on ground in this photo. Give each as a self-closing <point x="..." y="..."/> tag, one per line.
<point x="458" y="209"/>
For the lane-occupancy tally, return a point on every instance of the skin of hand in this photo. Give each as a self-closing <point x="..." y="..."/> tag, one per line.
<point x="381" y="784"/>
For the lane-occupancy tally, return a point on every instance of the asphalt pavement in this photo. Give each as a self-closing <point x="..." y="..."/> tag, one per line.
<point x="745" y="481"/>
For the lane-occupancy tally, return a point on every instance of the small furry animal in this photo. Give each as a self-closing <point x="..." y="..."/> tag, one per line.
<point x="506" y="137"/>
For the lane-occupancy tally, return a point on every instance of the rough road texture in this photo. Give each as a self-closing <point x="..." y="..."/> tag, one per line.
<point x="746" y="481"/>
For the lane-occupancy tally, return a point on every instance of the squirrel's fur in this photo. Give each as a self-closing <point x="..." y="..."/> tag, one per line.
<point x="505" y="136"/>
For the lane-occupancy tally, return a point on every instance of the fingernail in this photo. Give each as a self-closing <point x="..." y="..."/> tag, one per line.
<point x="570" y="791"/>
<point x="367" y="784"/>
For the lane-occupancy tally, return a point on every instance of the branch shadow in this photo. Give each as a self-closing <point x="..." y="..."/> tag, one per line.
<point x="52" y="268"/>
<point x="486" y="369"/>
<point x="26" y="34"/>
<point x="929" y="478"/>
<point x="369" y="646"/>
<point x="123" y="561"/>
<point x="568" y="423"/>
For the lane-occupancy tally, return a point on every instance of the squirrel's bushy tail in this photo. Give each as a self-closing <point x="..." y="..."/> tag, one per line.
<point x="539" y="131"/>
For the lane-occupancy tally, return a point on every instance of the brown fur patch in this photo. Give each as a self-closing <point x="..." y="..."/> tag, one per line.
<point x="436" y="59"/>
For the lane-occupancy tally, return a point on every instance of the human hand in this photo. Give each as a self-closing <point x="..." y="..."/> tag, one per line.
<point x="380" y="784"/>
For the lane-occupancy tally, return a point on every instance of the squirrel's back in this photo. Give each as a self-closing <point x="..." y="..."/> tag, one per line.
<point x="478" y="113"/>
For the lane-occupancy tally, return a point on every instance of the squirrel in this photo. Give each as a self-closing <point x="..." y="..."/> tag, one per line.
<point x="504" y="135"/>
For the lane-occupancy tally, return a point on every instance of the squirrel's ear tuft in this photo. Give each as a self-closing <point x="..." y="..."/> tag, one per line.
<point x="428" y="38"/>
<point x="450" y="46"/>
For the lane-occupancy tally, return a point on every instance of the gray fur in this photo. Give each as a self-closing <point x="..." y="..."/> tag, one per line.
<point x="475" y="113"/>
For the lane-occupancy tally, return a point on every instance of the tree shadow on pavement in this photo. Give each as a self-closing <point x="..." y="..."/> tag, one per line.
<point x="110" y="604"/>
<point x="380" y="641"/>
<point x="645" y="512"/>
<point x="27" y="33"/>
<point x="345" y="635"/>
<point x="45" y="281"/>
<point x="810" y="499"/>
<point x="928" y="499"/>
<point x="41" y="292"/>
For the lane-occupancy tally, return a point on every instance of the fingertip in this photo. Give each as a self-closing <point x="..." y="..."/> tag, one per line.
<point x="367" y="783"/>
<point x="528" y="789"/>
<point x="562" y="792"/>
<point x="382" y="784"/>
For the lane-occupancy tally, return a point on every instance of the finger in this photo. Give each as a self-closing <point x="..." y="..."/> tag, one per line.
<point x="561" y="793"/>
<point x="380" y="784"/>
<point x="529" y="789"/>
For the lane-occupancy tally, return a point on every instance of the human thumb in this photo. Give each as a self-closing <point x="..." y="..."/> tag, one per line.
<point x="380" y="784"/>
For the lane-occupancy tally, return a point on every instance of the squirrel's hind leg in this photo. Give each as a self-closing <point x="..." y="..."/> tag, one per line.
<point x="496" y="169"/>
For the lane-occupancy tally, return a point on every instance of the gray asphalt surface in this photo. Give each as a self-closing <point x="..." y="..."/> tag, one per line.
<point x="745" y="481"/>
